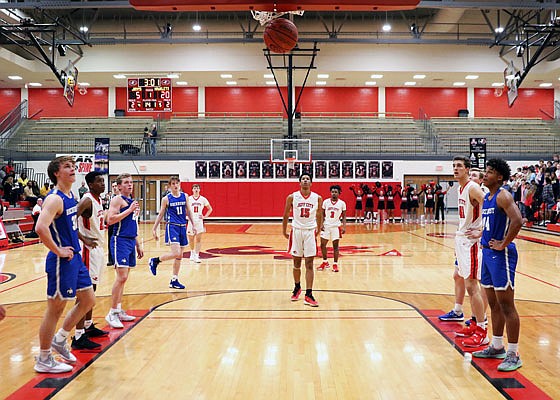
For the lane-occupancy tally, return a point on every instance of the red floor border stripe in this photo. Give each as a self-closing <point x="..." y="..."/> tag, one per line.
<point x="488" y="367"/>
<point x="56" y="382"/>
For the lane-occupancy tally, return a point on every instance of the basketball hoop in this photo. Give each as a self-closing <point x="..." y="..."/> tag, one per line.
<point x="291" y="163"/>
<point x="82" y="90"/>
<point x="264" y="17"/>
<point x="498" y="91"/>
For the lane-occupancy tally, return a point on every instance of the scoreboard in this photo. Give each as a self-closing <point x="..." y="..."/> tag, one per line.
<point x="149" y="94"/>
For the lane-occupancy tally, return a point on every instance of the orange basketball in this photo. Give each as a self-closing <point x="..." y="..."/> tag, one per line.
<point x="280" y="35"/>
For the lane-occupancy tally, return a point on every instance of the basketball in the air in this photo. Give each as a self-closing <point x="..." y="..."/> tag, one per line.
<point x="280" y="35"/>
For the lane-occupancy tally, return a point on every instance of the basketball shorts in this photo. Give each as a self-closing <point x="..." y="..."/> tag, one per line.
<point x="358" y="205"/>
<point x="176" y="234"/>
<point x="66" y="277"/>
<point x="331" y="233"/>
<point x="498" y="268"/>
<point x="369" y="203"/>
<point x="123" y="251"/>
<point x="469" y="257"/>
<point x="302" y="243"/>
<point x="198" y="225"/>
<point x="94" y="260"/>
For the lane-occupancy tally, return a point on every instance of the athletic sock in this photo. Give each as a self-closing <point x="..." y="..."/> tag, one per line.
<point x="88" y="323"/>
<point x="497" y="342"/>
<point x="61" y="335"/>
<point x="458" y="308"/>
<point x="513" y="347"/>
<point x="308" y="292"/>
<point x="79" y="333"/>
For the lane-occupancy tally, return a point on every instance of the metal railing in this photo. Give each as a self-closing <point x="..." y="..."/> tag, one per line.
<point x="11" y="122"/>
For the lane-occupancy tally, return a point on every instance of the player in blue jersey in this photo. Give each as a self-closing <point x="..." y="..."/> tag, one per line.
<point x="124" y="245"/>
<point x="175" y="206"/>
<point x="67" y="276"/>
<point x="501" y="221"/>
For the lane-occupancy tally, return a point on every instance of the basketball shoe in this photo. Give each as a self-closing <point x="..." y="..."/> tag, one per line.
<point x="452" y="316"/>
<point x="153" y="265"/>
<point x="335" y="268"/>
<point x="467" y="330"/>
<point x="175" y="284"/>
<point x="63" y="349"/>
<point x="123" y="316"/>
<point x="511" y="363"/>
<point x="83" y="343"/>
<point x="490" y="352"/>
<point x="477" y="339"/>
<point x="51" y="366"/>
<point x="295" y="293"/>
<point x="92" y="331"/>
<point x="324" y="264"/>
<point x="113" y="320"/>
<point x="309" y="300"/>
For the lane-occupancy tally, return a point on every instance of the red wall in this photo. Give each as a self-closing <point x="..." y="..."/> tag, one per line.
<point x="338" y="99"/>
<point x="9" y="99"/>
<point x="528" y="104"/>
<point x="185" y="100"/>
<point x="436" y="102"/>
<point x="92" y="104"/>
<point x="244" y="99"/>
<point x="267" y="199"/>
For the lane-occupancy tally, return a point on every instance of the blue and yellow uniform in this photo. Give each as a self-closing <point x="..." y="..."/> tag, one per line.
<point x="498" y="267"/>
<point x="65" y="277"/>
<point x="123" y="242"/>
<point x="176" y="216"/>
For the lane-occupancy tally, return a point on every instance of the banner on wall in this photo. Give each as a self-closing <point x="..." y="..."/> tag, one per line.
<point x="478" y="152"/>
<point x="317" y="169"/>
<point x="101" y="160"/>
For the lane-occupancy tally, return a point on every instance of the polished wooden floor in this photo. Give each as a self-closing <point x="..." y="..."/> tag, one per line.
<point x="234" y="334"/>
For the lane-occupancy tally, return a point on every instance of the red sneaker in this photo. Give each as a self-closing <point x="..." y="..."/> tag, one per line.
<point x="467" y="331"/>
<point x="324" y="264"/>
<point x="295" y="294"/>
<point x="478" y="338"/>
<point x="335" y="268"/>
<point x="310" y="301"/>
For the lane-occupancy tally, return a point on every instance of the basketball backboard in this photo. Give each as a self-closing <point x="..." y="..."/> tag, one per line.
<point x="511" y="79"/>
<point x="290" y="150"/>
<point x="70" y="80"/>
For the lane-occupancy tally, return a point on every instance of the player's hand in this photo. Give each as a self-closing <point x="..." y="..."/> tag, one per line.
<point x="90" y="242"/>
<point x="343" y="231"/>
<point x="2" y="313"/>
<point x="155" y="234"/>
<point x="66" y="252"/>
<point x="286" y="235"/>
<point x="496" y="244"/>
<point x="135" y="206"/>
<point x="140" y="252"/>
<point x="194" y="231"/>
<point x="473" y="233"/>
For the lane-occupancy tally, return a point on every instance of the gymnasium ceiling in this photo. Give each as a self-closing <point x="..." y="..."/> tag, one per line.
<point x="529" y="27"/>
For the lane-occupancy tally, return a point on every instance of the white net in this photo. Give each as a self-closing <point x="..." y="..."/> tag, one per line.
<point x="264" y="17"/>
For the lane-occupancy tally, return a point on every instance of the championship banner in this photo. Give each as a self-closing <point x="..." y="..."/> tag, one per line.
<point x="102" y="155"/>
<point x="478" y="153"/>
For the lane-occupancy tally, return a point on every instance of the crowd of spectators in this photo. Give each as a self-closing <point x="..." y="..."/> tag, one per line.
<point x="536" y="190"/>
<point x="18" y="187"/>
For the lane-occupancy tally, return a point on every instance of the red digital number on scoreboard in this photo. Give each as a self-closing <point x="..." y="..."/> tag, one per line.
<point x="149" y="94"/>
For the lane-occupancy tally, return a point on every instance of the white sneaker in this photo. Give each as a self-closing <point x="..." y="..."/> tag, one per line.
<point x="123" y="316"/>
<point x="197" y="259"/>
<point x="114" y="321"/>
<point x="192" y="257"/>
<point x="63" y="349"/>
<point x="51" y="366"/>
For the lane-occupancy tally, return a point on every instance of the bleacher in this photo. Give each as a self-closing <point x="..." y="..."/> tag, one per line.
<point x="397" y="133"/>
<point x="511" y="135"/>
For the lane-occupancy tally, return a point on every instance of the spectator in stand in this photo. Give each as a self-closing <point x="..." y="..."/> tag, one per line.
<point x="10" y="169"/>
<point x="28" y="193"/>
<point x="10" y="194"/>
<point x="548" y="200"/>
<point x="35" y="215"/>
<point x="3" y="173"/>
<point x="22" y="181"/>
<point x="82" y="190"/>
<point x="153" y="140"/>
<point x="44" y="189"/>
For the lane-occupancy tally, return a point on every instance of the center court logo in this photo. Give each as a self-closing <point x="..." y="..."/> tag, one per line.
<point x="281" y="254"/>
<point x="5" y="277"/>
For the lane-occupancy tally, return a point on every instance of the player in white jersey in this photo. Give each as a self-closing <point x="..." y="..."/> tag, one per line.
<point x="201" y="209"/>
<point x="91" y="231"/>
<point x="334" y="226"/>
<point x="468" y="252"/>
<point x="304" y="205"/>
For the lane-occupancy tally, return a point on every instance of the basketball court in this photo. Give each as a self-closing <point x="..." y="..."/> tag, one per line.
<point x="234" y="333"/>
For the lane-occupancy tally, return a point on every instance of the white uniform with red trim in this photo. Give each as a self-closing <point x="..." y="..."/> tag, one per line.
<point x="93" y="227"/>
<point x="197" y="205"/>
<point x="467" y="250"/>
<point x="303" y="241"/>
<point x="333" y="213"/>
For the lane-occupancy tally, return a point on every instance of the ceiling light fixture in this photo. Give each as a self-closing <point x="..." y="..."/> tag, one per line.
<point x="410" y="83"/>
<point x="459" y="83"/>
<point x="497" y="84"/>
<point x="376" y="76"/>
<point x="323" y="76"/>
<point x="173" y="76"/>
<point x="231" y="83"/>
<point x="226" y="76"/>
<point x="181" y="83"/>
<point x="371" y="83"/>
<point x="471" y="77"/>
<point x="419" y="76"/>
<point x="545" y="84"/>
<point x="320" y="83"/>
<point x="18" y="78"/>
<point x="119" y="76"/>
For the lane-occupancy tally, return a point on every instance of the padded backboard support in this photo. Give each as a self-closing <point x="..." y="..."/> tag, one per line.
<point x="279" y="5"/>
